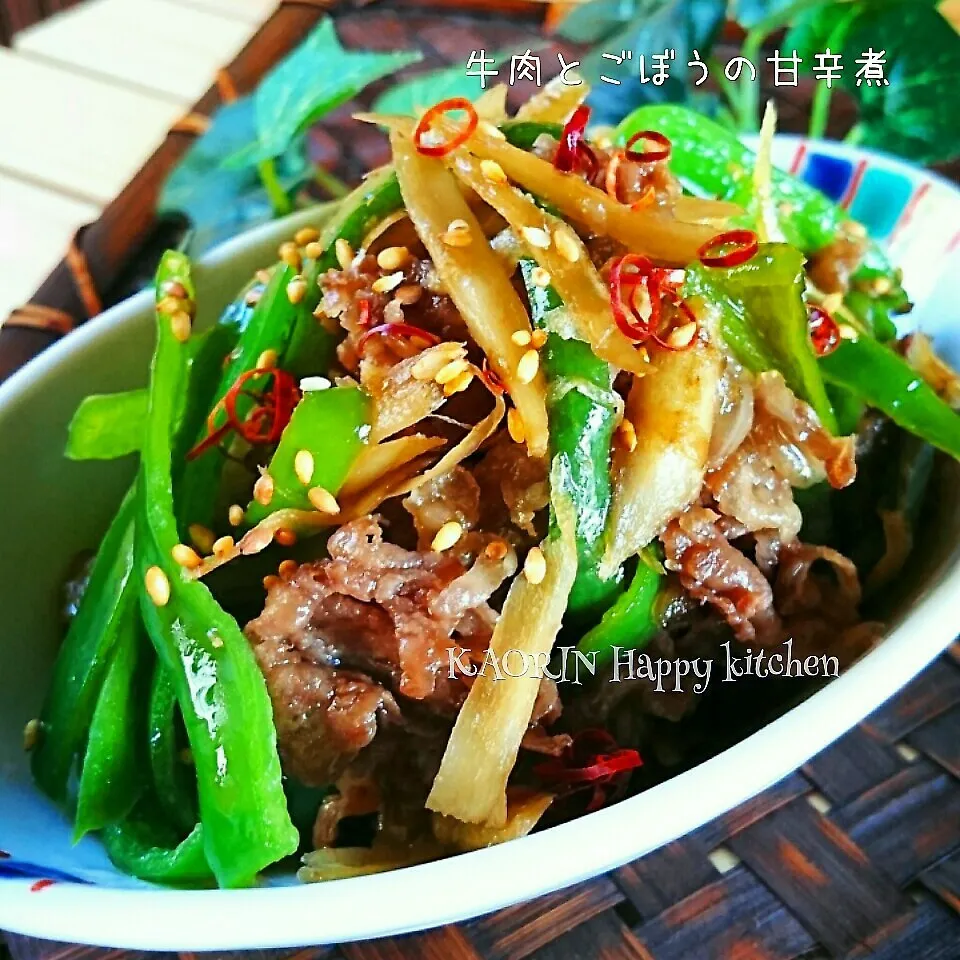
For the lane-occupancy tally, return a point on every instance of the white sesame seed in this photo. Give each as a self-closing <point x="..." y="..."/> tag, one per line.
<point x="536" y="237"/>
<point x="521" y="338"/>
<point x="682" y="336"/>
<point x="492" y="170"/>
<point x="457" y="234"/>
<point x="408" y="293"/>
<point x="540" y="277"/>
<point x="308" y="384"/>
<point x="627" y="434"/>
<point x="314" y="250"/>
<point x="447" y="536"/>
<point x="235" y="515"/>
<point x="344" y="253"/>
<point x="458" y="384"/>
<point x="158" y="586"/>
<point x="296" y="289"/>
<point x="388" y="283"/>
<point x="303" y="466"/>
<point x="216" y="643"/>
<point x="186" y="556"/>
<point x="287" y="568"/>
<point x="31" y="733"/>
<point x="180" y="325"/>
<point x="223" y="546"/>
<point x="290" y="255"/>
<point x="169" y="306"/>
<point x="267" y="360"/>
<point x="567" y="246"/>
<point x="528" y="366"/>
<point x="306" y="235"/>
<point x="392" y="258"/>
<point x="515" y="426"/>
<point x="263" y="490"/>
<point x="538" y="338"/>
<point x="535" y="566"/>
<point x="451" y="371"/>
<point x="323" y="500"/>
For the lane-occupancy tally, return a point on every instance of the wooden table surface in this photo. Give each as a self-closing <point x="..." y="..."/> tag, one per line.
<point x="86" y="97"/>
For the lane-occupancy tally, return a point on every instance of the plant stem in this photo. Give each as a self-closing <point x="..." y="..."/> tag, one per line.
<point x="855" y="135"/>
<point x="748" y="113"/>
<point x="820" y="112"/>
<point x="820" y="108"/>
<point x="271" y="183"/>
<point x="331" y="184"/>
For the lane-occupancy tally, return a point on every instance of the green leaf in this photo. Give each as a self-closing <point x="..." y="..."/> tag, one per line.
<point x="313" y="80"/>
<point x="426" y="89"/>
<point x="222" y="202"/>
<point x="107" y="426"/>
<point x="643" y="27"/>
<point x="750" y="13"/>
<point x="913" y="115"/>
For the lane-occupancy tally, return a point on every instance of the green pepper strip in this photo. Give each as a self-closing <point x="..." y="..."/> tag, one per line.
<point x="227" y="711"/>
<point x="111" y="778"/>
<point x="174" y="781"/>
<point x="84" y="657"/>
<point x="634" y="619"/>
<point x="332" y="425"/>
<point x="268" y="328"/>
<point x="582" y="411"/>
<point x="711" y="161"/>
<point x="143" y="848"/>
<point x="763" y="319"/>
<point x="883" y="379"/>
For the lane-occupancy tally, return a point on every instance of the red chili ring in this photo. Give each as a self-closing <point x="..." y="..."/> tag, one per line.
<point x="824" y="332"/>
<point x="635" y="329"/>
<point x="745" y="243"/>
<point x="648" y="156"/>
<point x="407" y="330"/>
<point x="437" y="110"/>
<point x="571" y="140"/>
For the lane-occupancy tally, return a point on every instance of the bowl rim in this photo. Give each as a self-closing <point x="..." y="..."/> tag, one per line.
<point x="297" y="915"/>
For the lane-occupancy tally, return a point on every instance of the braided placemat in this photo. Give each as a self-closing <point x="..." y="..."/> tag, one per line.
<point x="857" y="855"/>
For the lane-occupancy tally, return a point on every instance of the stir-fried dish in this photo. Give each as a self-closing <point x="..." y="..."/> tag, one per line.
<point x="532" y="396"/>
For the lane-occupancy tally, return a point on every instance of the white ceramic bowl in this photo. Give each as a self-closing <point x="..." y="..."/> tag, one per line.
<point x="51" y="508"/>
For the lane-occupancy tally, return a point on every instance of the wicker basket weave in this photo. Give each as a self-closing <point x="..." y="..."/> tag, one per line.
<point x="857" y="855"/>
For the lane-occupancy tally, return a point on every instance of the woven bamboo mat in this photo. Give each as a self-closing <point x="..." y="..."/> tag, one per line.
<point x="856" y="855"/>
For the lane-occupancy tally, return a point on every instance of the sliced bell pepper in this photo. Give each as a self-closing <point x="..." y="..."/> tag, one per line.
<point x="227" y="711"/>
<point x="763" y="314"/>
<point x="174" y="781"/>
<point x="582" y="414"/>
<point x="634" y="619"/>
<point x="78" y="674"/>
<point x="884" y="380"/>
<point x="332" y="426"/>
<point x="111" y="777"/>
<point x="143" y="847"/>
